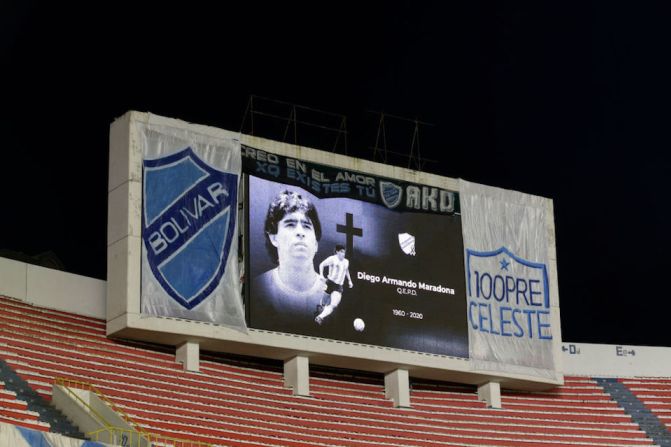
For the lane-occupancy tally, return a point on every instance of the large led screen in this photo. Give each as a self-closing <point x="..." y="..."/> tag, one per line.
<point x="406" y="265"/>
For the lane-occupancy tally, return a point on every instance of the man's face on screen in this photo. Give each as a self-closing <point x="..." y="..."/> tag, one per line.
<point x="295" y="239"/>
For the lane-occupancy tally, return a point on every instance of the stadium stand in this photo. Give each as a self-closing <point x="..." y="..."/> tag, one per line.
<point x="16" y="412"/>
<point x="235" y="404"/>
<point x="654" y="393"/>
<point x="37" y="409"/>
<point x="647" y="401"/>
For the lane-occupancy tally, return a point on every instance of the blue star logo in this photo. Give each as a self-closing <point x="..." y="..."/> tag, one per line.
<point x="504" y="264"/>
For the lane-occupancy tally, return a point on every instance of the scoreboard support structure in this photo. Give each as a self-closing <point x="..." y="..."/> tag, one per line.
<point x="396" y="339"/>
<point x="189" y="355"/>
<point x="297" y="375"/>
<point x="397" y="387"/>
<point x="490" y="393"/>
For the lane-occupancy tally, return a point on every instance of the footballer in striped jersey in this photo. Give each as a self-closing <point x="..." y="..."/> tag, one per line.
<point x="338" y="267"/>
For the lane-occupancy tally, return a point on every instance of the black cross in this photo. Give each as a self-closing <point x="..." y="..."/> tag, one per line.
<point x="350" y="230"/>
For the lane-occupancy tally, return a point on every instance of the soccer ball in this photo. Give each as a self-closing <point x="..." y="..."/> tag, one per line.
<point x="359" y="325"/>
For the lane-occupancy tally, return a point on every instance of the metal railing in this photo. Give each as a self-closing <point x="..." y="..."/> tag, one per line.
<point x="124" y="437"/>
<point x="135" y="437"/>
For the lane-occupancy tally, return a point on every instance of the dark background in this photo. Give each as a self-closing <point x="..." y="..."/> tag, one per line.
<point x="567" y="101"/>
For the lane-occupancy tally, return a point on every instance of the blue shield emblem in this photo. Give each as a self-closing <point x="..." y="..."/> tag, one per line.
<point x="504" y="277"/>
<point x="188" y="221"/>
<point x="391" y="194"/>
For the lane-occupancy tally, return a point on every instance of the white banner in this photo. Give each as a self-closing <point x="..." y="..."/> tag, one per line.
<point x="190" y="225"/>
<point x="508" y="291"/>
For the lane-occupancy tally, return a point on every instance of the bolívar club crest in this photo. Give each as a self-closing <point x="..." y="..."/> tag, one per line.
<point x="390" y="193"/>
<point x="188" y="221"/>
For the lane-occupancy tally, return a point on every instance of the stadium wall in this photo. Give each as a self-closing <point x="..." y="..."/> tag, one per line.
<point x="597" y="360"/>
<point x="53" y="289"/>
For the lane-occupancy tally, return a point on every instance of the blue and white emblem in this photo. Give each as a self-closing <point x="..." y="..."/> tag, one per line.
<point x="391" y="194"/>
<point x="188" y="221"/>
<point x="407" y="243"/>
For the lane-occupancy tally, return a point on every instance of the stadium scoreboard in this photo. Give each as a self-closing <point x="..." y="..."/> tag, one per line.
<point x="262" y="248"/>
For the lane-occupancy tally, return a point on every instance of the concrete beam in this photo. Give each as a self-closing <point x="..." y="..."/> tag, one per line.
<point x="490" y="393"/>
<point x="397" y="387"/>
<point x="189" y="355"/>
<point x="297" y="375"/>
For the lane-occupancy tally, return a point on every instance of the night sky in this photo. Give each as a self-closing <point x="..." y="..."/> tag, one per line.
<point x="571" y="102"/>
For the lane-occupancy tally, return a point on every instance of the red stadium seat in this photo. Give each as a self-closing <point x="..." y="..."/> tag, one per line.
<point x="228" y="403"/>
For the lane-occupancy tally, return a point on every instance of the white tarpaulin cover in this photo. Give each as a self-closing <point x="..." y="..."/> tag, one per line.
<point x="508" y="290"/>
<point x="189" y="225"/>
